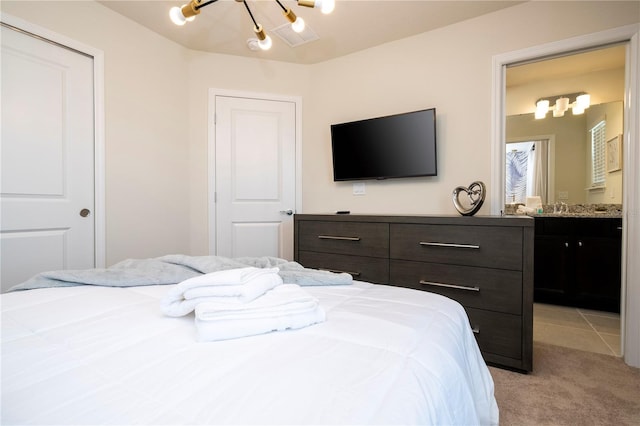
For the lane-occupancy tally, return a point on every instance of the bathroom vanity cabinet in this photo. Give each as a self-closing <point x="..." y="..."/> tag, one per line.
<point x="577" y="261"/>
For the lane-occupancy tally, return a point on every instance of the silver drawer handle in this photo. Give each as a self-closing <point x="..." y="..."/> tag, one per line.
<point x="458" y="287"/>
<point x="332" y="237"/>
<point x="470" y="246"/>
<point x="475" y="330"/>
<point x="337" y="271"/>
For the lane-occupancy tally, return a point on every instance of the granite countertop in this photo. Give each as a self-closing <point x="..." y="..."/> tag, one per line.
<point x="603" y="215"/>
<point x="604" y="211"/>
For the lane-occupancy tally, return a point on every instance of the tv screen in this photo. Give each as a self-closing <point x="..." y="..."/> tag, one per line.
<point x="401" y="145"/>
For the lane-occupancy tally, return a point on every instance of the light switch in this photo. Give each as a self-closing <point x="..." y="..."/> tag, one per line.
<point x="359" y="188"/>
<point x="563" y="195"/>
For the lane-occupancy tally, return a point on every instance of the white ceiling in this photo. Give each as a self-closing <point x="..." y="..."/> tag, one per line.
<point x="224" y="26"/>
<point x="592" y="61"/>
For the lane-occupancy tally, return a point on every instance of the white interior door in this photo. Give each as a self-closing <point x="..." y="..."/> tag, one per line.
<point x="255" y="176"/>
<point x="47" y="158"/>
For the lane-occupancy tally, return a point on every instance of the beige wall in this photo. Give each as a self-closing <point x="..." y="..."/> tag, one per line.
<point x="449" y="69"/>
<point x="156" y="175"/>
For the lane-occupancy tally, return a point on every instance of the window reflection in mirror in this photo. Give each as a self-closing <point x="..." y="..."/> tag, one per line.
<point x="526" y="170"/>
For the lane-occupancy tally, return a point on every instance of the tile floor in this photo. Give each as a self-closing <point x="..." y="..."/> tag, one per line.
<point x="583" y="329"/>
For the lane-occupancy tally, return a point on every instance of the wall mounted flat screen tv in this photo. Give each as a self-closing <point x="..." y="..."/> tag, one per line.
<point x="395" y="146"/>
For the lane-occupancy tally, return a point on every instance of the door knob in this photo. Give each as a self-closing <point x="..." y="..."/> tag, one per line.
<point x="287" y="212"/>
<point x="85" y="212"/>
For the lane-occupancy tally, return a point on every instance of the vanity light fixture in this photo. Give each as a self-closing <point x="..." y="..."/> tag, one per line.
<point x="561" y="104"/>
<point x="187" y="13"/>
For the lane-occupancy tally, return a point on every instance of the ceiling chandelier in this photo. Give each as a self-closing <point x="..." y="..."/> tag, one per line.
<point x="561" y="104"/>
<point x="187" y="13"/>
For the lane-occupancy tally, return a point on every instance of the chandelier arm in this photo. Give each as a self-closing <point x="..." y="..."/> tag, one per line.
<point x="280" y="4"/>
<point x="250" y="14"/>
<point x="201" y="5"/>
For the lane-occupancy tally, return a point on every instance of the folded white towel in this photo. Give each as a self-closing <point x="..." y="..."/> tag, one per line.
<point x="237" y="286"/>
<point x="285" y="307"/>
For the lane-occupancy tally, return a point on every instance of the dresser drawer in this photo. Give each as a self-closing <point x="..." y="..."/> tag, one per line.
<point x="497" y="333"/>
<point x="487" y="246"/>
<point x="371" y="269"/>
<point x="492" y="289"/>
<point x="357" y="238"/>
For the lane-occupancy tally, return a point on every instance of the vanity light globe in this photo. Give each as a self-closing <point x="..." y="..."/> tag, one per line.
<point x="540" y="114"/>
<point x="298" y="25"/>
<point x="583" y="101"/>
<point x="562" y="104"/>
<point x="542" y="107"/>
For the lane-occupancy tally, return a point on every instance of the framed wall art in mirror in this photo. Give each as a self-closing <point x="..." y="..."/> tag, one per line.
<point x="614" y="154"/>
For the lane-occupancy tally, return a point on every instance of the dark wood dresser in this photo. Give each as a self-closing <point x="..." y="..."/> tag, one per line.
<point x="483" y="262"/>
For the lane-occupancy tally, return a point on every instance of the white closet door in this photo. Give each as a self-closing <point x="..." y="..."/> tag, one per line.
<point x="255" y="177"/>
<point x="47" y="158"/>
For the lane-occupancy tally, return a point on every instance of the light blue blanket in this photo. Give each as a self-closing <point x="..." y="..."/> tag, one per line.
<point x="172" y="269"/>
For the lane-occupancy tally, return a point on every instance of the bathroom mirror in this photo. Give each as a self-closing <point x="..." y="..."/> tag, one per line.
<point x="559" y="168"/>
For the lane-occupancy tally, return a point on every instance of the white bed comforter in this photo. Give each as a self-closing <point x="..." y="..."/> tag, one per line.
<point x="101" y="355"/>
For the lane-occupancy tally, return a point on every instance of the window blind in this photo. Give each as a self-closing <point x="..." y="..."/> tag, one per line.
<point x="598" y="160"/>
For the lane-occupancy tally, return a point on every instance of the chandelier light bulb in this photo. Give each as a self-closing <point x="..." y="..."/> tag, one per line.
<point x="298" y="25"/>
<point x="176" y="16"/>
<point x="185" y="13"/>
<point x="266" y="43"/>
<point x="264" y="40"/>
<point x="326" y="6"/>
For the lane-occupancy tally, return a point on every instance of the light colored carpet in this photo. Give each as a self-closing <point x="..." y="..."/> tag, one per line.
<point x="569" y="387"/>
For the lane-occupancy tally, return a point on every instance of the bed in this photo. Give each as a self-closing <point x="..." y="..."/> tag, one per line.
<point x="96" y="354"/>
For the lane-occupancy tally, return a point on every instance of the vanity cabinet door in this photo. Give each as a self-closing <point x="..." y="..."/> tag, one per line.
<point x="598" y="273"/>
<point x="552" y="268"/>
